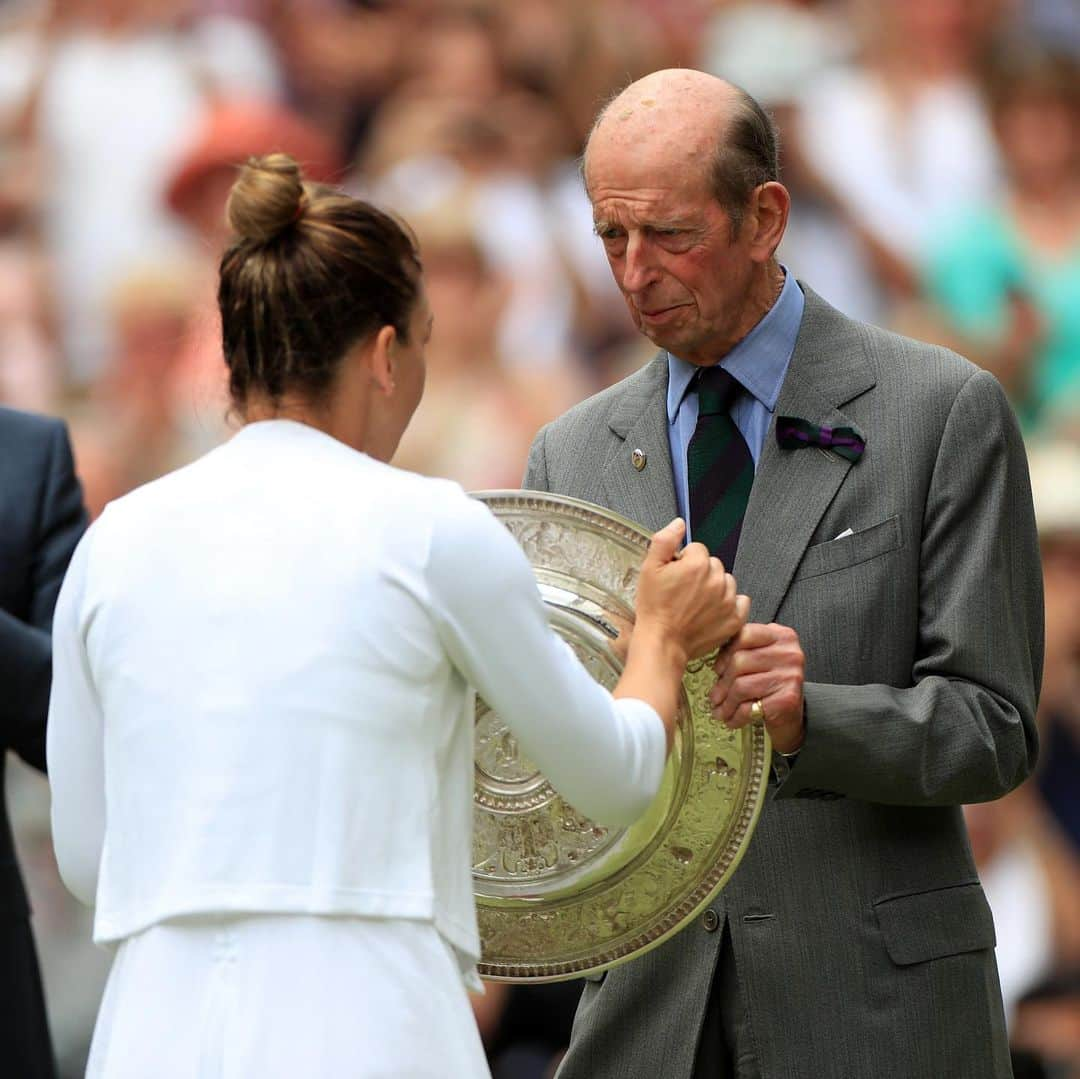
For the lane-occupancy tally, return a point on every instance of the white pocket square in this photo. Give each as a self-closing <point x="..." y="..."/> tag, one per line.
<point x="846" y="532"/>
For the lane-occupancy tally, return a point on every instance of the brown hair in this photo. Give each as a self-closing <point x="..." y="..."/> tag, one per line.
<point x="1024" y="71"/>
<point x="747" y="155"/>
<point x="310" y="273"/>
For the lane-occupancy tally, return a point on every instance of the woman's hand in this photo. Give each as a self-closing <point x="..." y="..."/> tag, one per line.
<point x="686" y="606"/>
<point x="686" y="596"/>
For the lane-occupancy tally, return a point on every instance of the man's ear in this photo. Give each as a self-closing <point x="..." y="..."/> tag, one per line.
<point x="380" y="359"/>
<point x="771" y="205"/>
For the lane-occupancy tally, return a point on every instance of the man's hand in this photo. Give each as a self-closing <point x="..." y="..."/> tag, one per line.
<point x="766" y="664"/>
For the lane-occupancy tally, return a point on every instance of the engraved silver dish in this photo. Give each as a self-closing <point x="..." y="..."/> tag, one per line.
<point x="558" y="896"/>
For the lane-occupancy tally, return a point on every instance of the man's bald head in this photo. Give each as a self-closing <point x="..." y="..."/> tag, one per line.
<point x="678" y="102"/>
<point x="688" y="119"/>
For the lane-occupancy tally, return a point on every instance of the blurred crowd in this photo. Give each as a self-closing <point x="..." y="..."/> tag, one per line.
<point x="932" y="149"/>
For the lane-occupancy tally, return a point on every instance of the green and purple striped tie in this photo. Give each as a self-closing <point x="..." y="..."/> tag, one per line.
<point x="720" y="469"/>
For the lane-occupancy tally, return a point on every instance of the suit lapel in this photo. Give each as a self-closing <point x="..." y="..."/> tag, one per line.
<point x="793" y="488"/>
<point x="639" y="420"/>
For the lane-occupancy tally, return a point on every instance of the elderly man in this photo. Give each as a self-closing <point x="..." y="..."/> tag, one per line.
<point x="874" y="495"/>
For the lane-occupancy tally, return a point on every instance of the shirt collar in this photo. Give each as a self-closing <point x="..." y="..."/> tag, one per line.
<point x="759" y="361"/>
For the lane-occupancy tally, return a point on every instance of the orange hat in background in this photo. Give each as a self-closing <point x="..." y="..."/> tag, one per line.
<point x="232" y="131"/>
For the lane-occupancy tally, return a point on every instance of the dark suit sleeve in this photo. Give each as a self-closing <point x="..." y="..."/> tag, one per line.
<point x="964" y="731"/>
<point x="25" y="647"/>
<point x="63" y="521"/>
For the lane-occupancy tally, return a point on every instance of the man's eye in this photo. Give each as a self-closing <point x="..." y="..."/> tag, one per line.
<point x="675" y="239"/>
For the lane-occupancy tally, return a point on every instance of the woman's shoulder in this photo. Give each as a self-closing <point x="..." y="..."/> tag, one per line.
<point x="427" y="495"/>
<point x="148" y="498"/>
<point x="440" y="509"/>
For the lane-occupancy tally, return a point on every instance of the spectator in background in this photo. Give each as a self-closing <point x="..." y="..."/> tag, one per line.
<point x="1054" y="22"/>
<point x="30" y="374"/>
<point x="526" y="1028"/>
<point x="1055" y="477"/>
<point x="1006" y="274"/>
<point x="128" y="430"/>
<point x="114" y="84"/>
<point x="774" y="50"/>
<point x="901" y="136"/>
<point x="342" y="57"/>
<point x="1032" y="879"/>
<point x="1027" y="846"/>
<point x="31" y="377"/>
<point x="676" y="26"/>
<point x="501" y="96"/>
<point x="477" y="416"/>
<point x="565" y="49"/>
<point x="459" y="122"/>
<point x="1046" y="1038"/>
<point x="41" y="520"/>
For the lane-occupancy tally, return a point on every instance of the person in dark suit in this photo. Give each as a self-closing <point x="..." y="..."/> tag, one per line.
<point x="41" y="519"/>
<point x="872" y="496"/>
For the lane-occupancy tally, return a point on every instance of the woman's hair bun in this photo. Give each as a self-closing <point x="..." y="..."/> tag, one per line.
<point x="267" y="197"/>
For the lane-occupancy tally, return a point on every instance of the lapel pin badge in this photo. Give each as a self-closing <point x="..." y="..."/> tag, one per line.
<point x="638" y="459"/>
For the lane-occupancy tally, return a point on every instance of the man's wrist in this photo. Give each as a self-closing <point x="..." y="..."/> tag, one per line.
<point x="782" y="763"/>
<point x="793" y="747"/>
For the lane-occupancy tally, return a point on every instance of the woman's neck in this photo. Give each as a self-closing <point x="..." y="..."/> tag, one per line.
<point x="331" y="416"/>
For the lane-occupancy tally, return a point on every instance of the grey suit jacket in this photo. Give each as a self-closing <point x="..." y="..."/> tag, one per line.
<point x="862" y="938"/>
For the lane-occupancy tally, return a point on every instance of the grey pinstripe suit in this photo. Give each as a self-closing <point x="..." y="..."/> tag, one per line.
<point x="862" y="939"/>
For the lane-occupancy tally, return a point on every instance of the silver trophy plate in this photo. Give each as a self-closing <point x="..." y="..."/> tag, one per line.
<point x="558" y="896"/>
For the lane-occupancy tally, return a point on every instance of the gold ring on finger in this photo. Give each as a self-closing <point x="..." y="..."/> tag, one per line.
<point x="757" y="711"/>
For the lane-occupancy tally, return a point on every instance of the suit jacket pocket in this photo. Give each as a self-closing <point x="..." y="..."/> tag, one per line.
<point x="859" y="547"/>
<point x="933" y="924"/>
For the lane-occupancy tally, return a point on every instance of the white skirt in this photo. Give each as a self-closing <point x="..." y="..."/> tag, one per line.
<point x="291" y="996"/>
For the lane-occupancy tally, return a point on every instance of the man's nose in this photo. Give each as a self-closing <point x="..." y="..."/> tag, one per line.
<point x="639" y="269"/>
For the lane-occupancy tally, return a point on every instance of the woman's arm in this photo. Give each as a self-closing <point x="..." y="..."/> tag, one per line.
<point x="75" y="747"/>
<point x="604" y="753"/>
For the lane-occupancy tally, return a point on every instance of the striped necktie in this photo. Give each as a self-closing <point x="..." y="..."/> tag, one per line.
<point x="720" y="469"/>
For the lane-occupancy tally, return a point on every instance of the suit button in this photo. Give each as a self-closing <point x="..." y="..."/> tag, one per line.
<point x="711" y="921"/>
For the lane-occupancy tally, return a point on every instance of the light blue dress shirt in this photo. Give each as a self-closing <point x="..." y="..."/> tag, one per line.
<point x="760" y="362"/>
